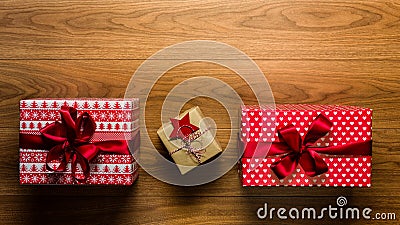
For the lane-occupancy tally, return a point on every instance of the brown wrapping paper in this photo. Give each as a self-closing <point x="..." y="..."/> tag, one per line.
<point x="183" y="159"/>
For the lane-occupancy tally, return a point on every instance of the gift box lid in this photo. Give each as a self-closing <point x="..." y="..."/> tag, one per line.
<point x="260" y="123"/>
<point x="300" y="107"/>
<point x="81" y="103"/>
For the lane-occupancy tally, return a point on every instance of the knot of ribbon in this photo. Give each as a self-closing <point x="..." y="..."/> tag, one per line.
<point x="188" y="133"/>
<point x="300" y="151"/>
<point x="294" y="150"/>
<point x="69" y="140"/>
<point x="187" y="145"/>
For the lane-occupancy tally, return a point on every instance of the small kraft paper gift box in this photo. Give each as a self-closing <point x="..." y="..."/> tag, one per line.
<point x="306" y="145"/>
<point x="78" y="141"/>
<point x="189" y="140"/>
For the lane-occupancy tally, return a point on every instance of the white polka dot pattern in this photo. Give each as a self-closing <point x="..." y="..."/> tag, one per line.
<point x="350" y="124"/>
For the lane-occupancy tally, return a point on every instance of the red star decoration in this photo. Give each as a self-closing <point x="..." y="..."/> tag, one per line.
<point x="182" y="128"/>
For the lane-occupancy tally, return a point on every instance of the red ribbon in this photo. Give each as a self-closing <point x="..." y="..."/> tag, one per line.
<point x="296" y="151"/>
<point x="69" y="140"/>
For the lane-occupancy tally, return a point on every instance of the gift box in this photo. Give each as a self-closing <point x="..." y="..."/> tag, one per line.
<point x="189" y="139"/>
<point x="78" y="141"/>
<point x="306" y="145"/>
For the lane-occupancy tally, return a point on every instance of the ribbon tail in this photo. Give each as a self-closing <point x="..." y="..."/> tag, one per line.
<point x="285" y="166"/>
<point x="83" y="155"/>
<point x="312" y="163"/>
<point x="84" y="163"/>
<point x="197" y="156"/>
<point x="58" y="154"/>
<point x="197" y="153"/>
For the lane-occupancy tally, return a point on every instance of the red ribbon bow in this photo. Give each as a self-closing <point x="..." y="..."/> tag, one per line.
<point x="70" y="140"/>
<point x="188" y="133"/>
<point x="296" y="151"/>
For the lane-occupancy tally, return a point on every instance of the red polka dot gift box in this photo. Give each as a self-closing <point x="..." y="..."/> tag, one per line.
<point x="78" y="141"/>
<point x="306" y="145"/>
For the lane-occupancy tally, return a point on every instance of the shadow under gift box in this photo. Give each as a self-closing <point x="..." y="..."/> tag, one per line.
<point x="115" y="120"/>
<point x="344" y="150"/>
<point x="184" y="160"/>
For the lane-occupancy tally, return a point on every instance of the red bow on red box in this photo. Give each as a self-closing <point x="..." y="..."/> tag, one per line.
<point x="294" y="150"/>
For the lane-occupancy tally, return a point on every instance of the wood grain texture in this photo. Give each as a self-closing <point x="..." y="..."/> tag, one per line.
<point x="372" y="84"/>
<point x="319" y="52"/>
<point x="127" y="30"/>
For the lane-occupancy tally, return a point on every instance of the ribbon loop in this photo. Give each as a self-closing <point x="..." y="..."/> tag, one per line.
<point x="319" y="128"/>
<point x="68" y="118"/>
<point x="85" y="128"/>
<point x="291" y="137"/>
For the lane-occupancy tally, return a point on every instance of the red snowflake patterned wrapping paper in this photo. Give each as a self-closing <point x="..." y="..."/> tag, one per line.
<point x="349" y="125"/>
<point x="116" y="119"/>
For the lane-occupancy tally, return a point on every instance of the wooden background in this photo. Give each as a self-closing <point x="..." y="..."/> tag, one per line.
<point x="321" y="52"/>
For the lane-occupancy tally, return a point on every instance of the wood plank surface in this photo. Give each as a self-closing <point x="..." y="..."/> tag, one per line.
<point x="372" y="84"/>
<point x="318" y="52"/>
<point x="125" y="29"/>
